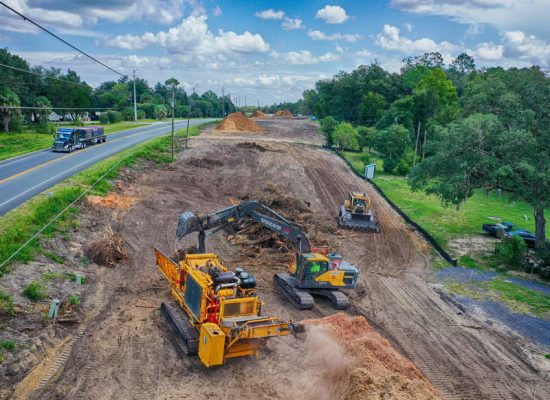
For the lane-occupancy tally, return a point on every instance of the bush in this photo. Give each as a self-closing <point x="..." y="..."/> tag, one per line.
<point x="35" y="291"/>
<point x="78" y="122"/>
<point x="141" y="114"/>
<point x="402" y="167"/>
<point x="542" y="266"/>
<point x="7" y="344"/>
<point x="74" y="300"/>
<point x="104" y="118"/>
<point x="115" y="116"/>
<point x="511" y="252"/>
<point x="16" y="123"/>
<point x="6" y="303"/>
<point x="328" y="125"/>
<point x="346" y="137"/>
<point x="366" y="158"/>
<point x="389" y="165"/>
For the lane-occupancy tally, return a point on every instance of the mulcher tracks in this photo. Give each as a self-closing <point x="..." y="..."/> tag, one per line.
<point x="300" y="298"/>
<point x="187" y="332"/>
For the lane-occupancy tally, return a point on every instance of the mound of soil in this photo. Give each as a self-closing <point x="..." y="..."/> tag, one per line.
<point x="378" y="371"/>
<point x="258" y="114"/>
<point x="112" y="200"/>
<point x="283" y="114"/>
<point x="237" y="122"/>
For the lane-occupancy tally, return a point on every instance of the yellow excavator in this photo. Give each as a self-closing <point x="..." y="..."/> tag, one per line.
<point x="356" y="213"/>
<point x="216" y="312"/>
<point x="312" y="271"/>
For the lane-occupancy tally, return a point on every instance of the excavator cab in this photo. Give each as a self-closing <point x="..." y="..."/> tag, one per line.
<point x="314" y="271"/>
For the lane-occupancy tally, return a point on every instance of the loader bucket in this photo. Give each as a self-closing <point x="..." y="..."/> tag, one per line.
<point x="187" y="223"/>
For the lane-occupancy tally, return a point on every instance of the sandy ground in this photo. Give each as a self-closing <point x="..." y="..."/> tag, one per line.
<point x="123" y="349"/>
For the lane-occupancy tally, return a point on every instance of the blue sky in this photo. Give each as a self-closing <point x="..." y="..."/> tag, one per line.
<point x="270" y="51"/>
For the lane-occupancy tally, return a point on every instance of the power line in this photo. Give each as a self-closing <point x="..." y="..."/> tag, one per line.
<point x="42" y="75"/>
<point x="59" y="38"/>
<point x="60" y="108"/>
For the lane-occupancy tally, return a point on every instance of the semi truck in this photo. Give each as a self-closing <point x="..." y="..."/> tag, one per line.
<point x="69" y="139"/>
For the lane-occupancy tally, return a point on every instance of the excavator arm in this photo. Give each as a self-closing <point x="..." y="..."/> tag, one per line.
<point x="269" y="218"/>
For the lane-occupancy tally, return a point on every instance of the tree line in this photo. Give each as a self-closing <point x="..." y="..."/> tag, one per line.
<point x="51" y="89"/>
<point x="451" y="129"/>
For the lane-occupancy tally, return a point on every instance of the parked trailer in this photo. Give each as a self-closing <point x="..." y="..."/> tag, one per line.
<point x="69" y="139"/>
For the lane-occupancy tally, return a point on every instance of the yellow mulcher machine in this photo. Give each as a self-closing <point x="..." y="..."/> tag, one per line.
<point x="216" y="312"/>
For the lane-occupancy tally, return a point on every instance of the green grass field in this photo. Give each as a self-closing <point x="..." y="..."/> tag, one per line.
<point x="16" y="144"/>
<point x="445" y="223"/>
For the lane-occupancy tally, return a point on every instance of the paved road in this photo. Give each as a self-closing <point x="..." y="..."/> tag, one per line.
<point x="23" y="177"/>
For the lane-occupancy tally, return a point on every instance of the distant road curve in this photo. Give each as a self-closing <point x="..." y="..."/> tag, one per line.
<point x="23" y="177"/>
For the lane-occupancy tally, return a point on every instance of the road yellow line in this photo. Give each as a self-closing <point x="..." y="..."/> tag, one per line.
<point x="9" y="178"/>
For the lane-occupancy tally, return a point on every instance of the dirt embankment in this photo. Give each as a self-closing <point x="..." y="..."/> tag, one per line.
<point x="127" y="351"/>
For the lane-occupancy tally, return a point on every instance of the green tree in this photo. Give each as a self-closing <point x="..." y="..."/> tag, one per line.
<point x="160" y="111"/>
<point x="346" y="137"/>
<point x="392" y="142"/>
<point x="371" y="109"/>
<point x="8" y="99"/>
<point x="328" y="125"/>
<point x="479" y="152"/>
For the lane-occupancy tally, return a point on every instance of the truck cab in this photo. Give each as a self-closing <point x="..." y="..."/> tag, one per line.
<point x="66" y="140"/>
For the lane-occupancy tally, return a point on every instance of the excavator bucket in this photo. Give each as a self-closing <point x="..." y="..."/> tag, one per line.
<point x="187" y="224"/>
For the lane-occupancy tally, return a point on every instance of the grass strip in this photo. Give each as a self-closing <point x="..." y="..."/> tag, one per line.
<point x="19" y="225"/>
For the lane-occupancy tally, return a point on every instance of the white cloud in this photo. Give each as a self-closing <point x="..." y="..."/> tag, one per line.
<point x="318" y="35"/>
<point x="303" y="57"/>
<point x="217" y="11"/>
<point x="332" y="14"/>
<point x="391" y="39"/>
<point x="489" y="52"/>
<point x="192" y="36"/>
<point x="270" y="14"/>
<point x="363" y="53"/>
<point x="409" y="27"/>
<point x="79" y="16"/>
<point x="290" y="24"/>
<point x="505" y="15"/>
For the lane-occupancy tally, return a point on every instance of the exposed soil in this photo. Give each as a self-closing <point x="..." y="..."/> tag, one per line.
<point x="283" y="114"/>
<point x="237" y="122"/>
<point x="258" y="114"/>
<point x="126" y="351"/>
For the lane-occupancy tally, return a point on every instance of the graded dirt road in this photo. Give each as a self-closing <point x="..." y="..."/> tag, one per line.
<point x="125" y="350"/>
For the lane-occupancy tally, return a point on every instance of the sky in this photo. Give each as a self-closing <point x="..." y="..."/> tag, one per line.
<point x="270" y="51"/>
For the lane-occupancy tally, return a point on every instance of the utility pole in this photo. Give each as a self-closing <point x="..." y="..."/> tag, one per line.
<point x="245" y="102"/>
<point x="135" y="105"/>
<point x="173" y="114"/>
<point x="223" y="102"/>
<point x="188" y="113"/>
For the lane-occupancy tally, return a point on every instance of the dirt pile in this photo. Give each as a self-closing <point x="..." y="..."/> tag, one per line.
<point x="237" y="122"/>
<point x="283" y="114"/>
<point x="112" y="200"/>
<point x="258" y="114"/>
<point x="107" y="251"/>
<point x="377" y="370"/>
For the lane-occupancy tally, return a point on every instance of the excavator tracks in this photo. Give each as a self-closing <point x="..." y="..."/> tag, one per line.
<point x="300" y="298"/>
<point x="338" y="299"/>
<point x="183" y="328"/>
